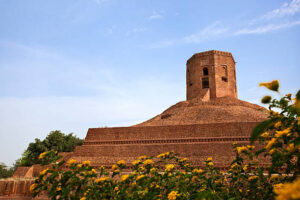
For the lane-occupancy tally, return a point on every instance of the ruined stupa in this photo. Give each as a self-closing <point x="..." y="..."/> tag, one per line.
<point x="204" y="125"/>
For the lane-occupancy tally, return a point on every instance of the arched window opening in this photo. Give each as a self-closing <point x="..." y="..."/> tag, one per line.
<point x="205" y="83"/>
<point x="224" y="73"/>
<point x="205" y="71"/>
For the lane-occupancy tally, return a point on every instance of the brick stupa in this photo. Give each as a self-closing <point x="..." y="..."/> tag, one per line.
<point x="205" y="125"/>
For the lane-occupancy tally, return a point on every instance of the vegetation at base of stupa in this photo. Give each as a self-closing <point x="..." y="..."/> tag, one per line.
<point x="55" y="140"/>
<point x="274" y="142"/>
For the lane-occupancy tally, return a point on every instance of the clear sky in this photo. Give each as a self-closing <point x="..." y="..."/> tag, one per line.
<point x="74" y="64"/>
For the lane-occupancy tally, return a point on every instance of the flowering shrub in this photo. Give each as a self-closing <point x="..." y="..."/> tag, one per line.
<point x="167" y="176"/>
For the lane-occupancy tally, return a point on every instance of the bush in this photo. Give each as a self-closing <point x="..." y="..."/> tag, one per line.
<point x="166" y="176"/>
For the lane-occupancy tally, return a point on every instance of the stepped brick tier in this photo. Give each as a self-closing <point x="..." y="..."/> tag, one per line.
<point x="205" y="125"/>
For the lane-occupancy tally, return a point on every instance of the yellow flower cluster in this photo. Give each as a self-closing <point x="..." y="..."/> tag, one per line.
<point x="197" y="171"/>
<point x="283" y="132"/>
<point x="32" y="187"/>
<point x="273" y="85"/>
<point x="86" y="162"/>
<point x="173" y="195"/>
<point x="71" y="162"/>
<point x="121" y="162"/>
<point x="136" y="162"/>
<point x="277" y="124"/>
<point x="101" y="179"/>
<point x="209" y="159"/>
<point x="241" y="149"/>
<point x="140" y="177"/>
<point x="152" y="170"/>
<point x="252" y="178"/>
<point x="265" y="134"/>
<point x="183" y="160"/>
<point x="44" y="171"/>
<point x="169" y="167"/>
<point x="114" y="167"/>
<point x="148" y="162"/>
<point x="271" y="143"/>
<point x="288" y="191"/>
<point x="142" y="157"/>
<point x="163" y="155"/>
<point x="124" y="177"/>
<point x="42" y="155"/>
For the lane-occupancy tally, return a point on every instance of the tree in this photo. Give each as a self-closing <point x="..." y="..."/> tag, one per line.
<point x="55" y="140"/>
<point x="6" y="171"/>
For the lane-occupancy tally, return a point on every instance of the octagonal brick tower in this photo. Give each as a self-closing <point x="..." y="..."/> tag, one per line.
<point x="210" y="75"/>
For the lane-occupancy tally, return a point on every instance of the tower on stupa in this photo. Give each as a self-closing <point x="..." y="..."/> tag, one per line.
<point x="210" y="75"/>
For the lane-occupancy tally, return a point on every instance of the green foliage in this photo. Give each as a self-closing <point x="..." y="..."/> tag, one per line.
<point x="166" y="176"/>
<point x="55" y="140"/>
<point x="6" y="171"/>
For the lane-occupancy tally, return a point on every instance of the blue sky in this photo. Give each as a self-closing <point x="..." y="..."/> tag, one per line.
<point x="74" y="64"/>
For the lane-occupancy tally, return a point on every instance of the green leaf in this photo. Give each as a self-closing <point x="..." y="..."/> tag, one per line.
<point x="297" y="141"/>
<point x="259" y="129"/>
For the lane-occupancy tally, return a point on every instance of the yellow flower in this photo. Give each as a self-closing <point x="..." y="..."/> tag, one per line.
<point x="114" y="167"/>
<point x="102" y="179"/>
<point x="124" y="177"/>
<point x="93" y="171"/>
<point x="142" y="168"/>
<point x="277" y="124"/>
<point x="291" y="147"/>
<point x="252" y="178"/>
<point x="272" y="151"/>
<point x="265" y="134"/>
<point x="169" y="167"/>
<point x="136" y="162"/>
<point x="271" y="143"/>
<point x="288" y="190"/>
<point x="42" y="155"/>
<point x="210" y="164"/>
<point x="83" y="198"/>
<point x="250" y="147"/>
<point x="121" y="162"/>
<point x="44" y="171"/>
<point x="116" y="189"/>
<point x="140" y="177"/>
<point x="148" y="162"/>
<point x="241" y="149"/>
<point x="273" y="85"/>
<point x="101" y="168"/>
<point x="194" y="179"/>
<point x="87" y="162"/>
<point x="282" y="133"/>
<point x="183" y="160"/>
<point x="197" y="171"/>
<point x="152" y="170"/>
<point x="173" y="195"/>
<point x="32" y="187"/>
<point x="163" y="155"/>
<point x="209" y="159"/>
<point x="245" y="167"/>
<point x="142" y="157"/>
<point x="234" y="165"/>
<point x="71" y="162"/>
